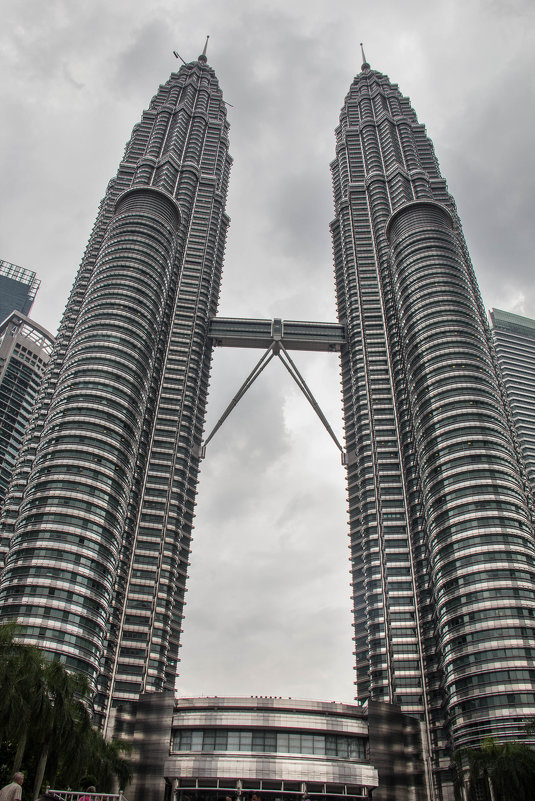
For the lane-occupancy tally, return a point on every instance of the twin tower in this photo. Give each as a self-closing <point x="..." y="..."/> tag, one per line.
<point x="97" y="525"/>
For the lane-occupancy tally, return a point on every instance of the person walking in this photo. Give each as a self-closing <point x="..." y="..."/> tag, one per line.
<point x="90" y="789"/>
<point x="13" y="791"/>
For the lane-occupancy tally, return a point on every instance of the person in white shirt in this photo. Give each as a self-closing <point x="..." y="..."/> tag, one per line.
<point x="13" y="791"/>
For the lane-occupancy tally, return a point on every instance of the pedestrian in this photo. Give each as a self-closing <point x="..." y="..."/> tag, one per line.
<point x="90" y="789"/>
<point x="13" y="791"/>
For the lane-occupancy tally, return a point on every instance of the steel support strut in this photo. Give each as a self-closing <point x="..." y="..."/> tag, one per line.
<point x="275" y="349"/>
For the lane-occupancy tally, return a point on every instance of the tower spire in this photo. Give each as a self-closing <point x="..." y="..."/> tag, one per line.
<point x="202" y="57"/>
<point x="365" y="65"/>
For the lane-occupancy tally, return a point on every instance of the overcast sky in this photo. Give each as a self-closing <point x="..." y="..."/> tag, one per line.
<point x="268" y="601"/>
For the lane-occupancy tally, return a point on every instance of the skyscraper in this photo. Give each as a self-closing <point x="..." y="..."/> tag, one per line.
<point x="441" y="536"/>
<point x="98" y="519"/>
<point x="24" y="353"/>
<point x="514" y="338"/>
<point x="17" y="289"/>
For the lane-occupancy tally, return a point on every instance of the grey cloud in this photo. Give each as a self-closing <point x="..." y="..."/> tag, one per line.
<point x="300" y="220"/>
<point x="135" y="56"/>
<point x="492" y="175"/>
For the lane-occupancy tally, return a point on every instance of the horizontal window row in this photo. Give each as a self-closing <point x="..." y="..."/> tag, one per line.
<point x="261" y="741"/>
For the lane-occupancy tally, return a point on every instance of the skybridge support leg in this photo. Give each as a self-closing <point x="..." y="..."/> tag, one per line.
<point x="275" y="349"/>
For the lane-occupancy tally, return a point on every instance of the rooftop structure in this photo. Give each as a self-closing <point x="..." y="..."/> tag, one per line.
<point x="18" y="288"/>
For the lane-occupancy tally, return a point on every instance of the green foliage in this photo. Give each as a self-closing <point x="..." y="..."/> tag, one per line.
<point x="500" y="771"/>
<point x="530" y="726"/>
<point x="7" y="755"/>
<point x="45" y="724"/>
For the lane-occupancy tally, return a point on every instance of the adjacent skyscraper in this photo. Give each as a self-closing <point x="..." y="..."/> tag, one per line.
<point x="97" y="524"/>
<point x="514" y="338"/>
<point x="98" y="520"/>
<point x="24" y="353"/>
<point x="441" y="536"/>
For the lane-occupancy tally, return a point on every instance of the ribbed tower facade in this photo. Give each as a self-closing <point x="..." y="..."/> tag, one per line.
<point x="97" y="525"/>
<point x="441" y="537"/>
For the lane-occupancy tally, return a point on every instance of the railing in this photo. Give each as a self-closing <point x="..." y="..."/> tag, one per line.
<point x="76" y="795"/>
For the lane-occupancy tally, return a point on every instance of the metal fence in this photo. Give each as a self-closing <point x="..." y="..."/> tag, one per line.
<point x="77" y="795"/>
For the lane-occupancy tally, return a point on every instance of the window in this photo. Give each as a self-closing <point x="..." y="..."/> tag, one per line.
<point x="269" y="740"/>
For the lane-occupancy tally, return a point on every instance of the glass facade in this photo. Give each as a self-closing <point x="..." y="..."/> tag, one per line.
<point x="18" y="288"/>
<point x="24" y="353"/>
<point x="514" y="340"/>
<point x="260" y="741"/>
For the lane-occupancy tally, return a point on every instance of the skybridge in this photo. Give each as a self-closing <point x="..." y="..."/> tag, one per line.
<point x="237" y="332"/>
<point x="276" y="337"/>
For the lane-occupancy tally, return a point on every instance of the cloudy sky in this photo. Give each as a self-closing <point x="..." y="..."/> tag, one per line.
<point x="268" y="602"/>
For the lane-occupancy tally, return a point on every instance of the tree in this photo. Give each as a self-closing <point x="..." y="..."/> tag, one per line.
<point x="530" y="726"/>
<point x="504" y="771"/>
<point x="61" y="727"/>
<point x="23" y="697"/>
<point x="43" y="697"/>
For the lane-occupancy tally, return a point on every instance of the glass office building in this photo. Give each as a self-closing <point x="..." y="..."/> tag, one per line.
<point x="25" y="349"/>
<point x="514" y="339"/>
